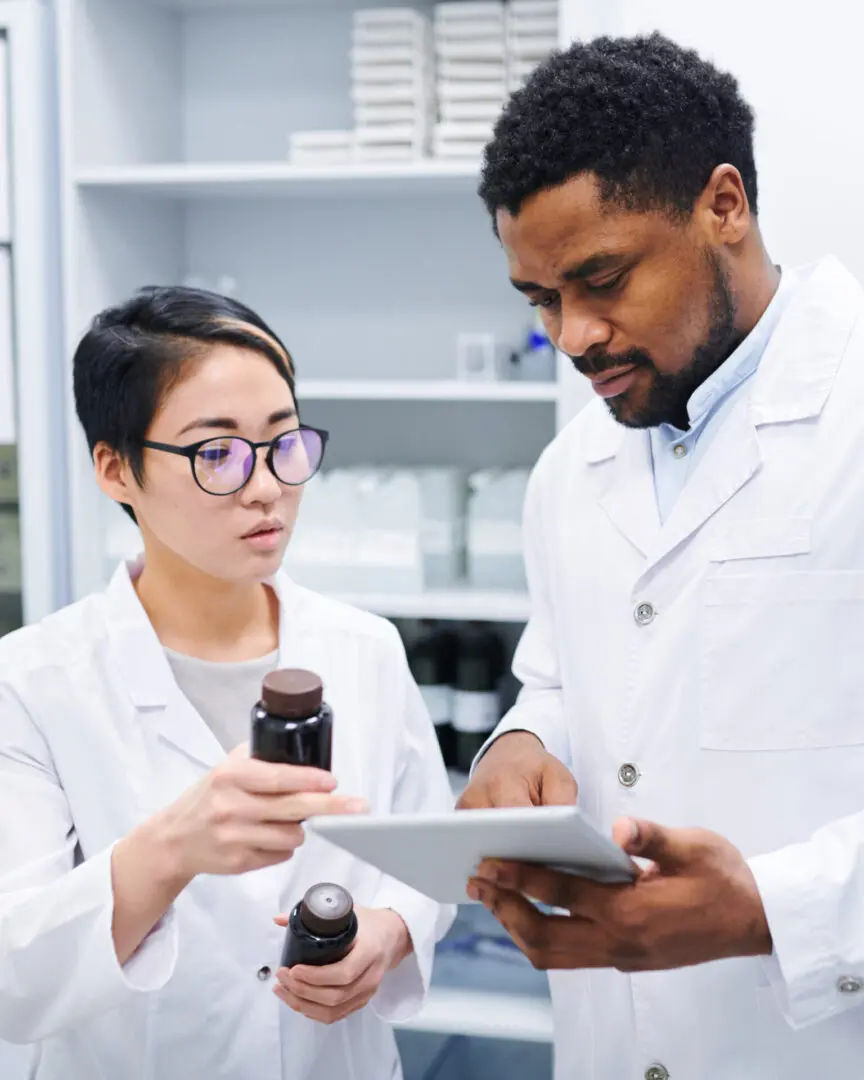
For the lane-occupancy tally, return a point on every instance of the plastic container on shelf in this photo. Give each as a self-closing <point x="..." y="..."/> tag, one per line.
<point x="494" y="529"/>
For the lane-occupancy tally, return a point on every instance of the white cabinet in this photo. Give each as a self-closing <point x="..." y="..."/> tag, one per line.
<point x="175" y="134"/>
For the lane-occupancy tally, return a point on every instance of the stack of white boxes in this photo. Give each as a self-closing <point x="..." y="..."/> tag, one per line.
<point x="532" y="34"/>
<point x="392" y="84"/>
<point x="471" y="55"/>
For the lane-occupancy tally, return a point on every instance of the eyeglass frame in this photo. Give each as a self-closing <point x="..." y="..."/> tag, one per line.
<point x="190" y="452"/>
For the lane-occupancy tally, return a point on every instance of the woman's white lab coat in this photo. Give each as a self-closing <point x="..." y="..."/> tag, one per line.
<point x="94" y="737"/>
<point x="720" y="657"/>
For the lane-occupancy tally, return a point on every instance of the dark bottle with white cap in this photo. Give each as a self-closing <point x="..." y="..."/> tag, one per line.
<point x="476" y="699"/>
<point x="292" y="724"/>
<point x="321" y="928"/>
<point x="432" y="660"/>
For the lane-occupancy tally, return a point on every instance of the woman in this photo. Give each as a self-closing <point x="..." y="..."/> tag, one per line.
<point x="147" y="863"/>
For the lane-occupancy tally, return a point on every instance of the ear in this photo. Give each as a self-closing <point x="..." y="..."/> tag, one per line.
<point x="113" y="475"/>
<point x="724" y="208"/>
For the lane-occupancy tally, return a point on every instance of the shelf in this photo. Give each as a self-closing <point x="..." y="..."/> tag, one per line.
<point x="484" y="1015"/>
<point x="243" y="179"/>
<point x="455" y="604"/>
<point x="424" y="390"/>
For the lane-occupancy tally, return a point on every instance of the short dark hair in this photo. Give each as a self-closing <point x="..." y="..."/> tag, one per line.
<point x="650" y="119"/>
<point x="132" y="355"/>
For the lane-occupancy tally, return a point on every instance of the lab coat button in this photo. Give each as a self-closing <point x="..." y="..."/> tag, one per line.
<point x="644" y="614"/>
<point x="628" y="775"/>
<point x="657" y="1072"/>
<point x="679" y="450"/>
<point x="263" y="973"/>
<point x="850" y="985"/>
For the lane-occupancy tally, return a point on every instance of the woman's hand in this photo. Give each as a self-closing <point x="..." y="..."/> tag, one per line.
<point x="334" y="991"/>
<point x="245" y="814"/>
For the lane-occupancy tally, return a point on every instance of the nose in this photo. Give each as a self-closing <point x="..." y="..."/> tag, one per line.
<point x="580" y="330"/>
<point x="263" y="487"/>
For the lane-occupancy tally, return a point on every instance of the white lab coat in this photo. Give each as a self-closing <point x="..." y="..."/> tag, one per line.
<point x="739" y="697"/>
<point x="94" y="737"/>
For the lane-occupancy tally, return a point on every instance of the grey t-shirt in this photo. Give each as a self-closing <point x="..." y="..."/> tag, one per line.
<point x="222" y="693"/>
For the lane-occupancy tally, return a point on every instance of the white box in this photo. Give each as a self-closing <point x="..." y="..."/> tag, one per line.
<point x="389" y="54"/>
<point x="470" y="110"/>
<point x="5" y="147"/>
<point x="469" y="30"/>
<point x="532" y="27"/>
<point x="530" y="48"/>
<point x="470" y="130"/>
<point x="413" y="93"/>
<point x="386" y="152"/>
<point x="471" y="70"/>
<point x="449" y="90"/>
<point x="392" y="114"/>
<point x="471" y="50"/>
<point x="468" y="9"/>
<point x="383" y="73"/>
<point x="461" y="150"/>
<point x="395" y="16"/>
<point x="375" y="134"/>
<point x="7" y="359"/>
<point x="533" y="7"/>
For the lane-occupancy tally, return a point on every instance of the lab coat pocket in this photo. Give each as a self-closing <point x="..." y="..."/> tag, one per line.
<point x="779" y="659"/>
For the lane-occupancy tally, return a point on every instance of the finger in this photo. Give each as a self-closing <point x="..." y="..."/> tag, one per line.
<point x="300" y="807"/>
<point x="556" y="888"/>
<point x="321" y="1013"/>
<point x="671" y="849"/>
<point x="557" y="783"/>
<point x="281" y="920"/>
<point x="333" y="997"/>
<point x="268" y="778"/>
<point x="549" y="941"/>
<point x="272" y="839"/>
<point x="341" y="974"/>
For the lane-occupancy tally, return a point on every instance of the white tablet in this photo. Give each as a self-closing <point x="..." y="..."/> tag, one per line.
<point x="437" y="853"/>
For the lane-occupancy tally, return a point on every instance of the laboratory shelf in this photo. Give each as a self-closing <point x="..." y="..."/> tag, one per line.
<point x="449" y="604"/>
<point x="424" y="390"/>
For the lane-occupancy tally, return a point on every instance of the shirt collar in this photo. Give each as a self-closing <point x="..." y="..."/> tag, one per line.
<point x="738" y="366"/>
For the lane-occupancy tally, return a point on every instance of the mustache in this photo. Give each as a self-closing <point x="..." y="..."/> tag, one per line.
<point x="598" y="362"/>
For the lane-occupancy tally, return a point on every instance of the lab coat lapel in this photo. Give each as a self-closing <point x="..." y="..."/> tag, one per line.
<point x="630" y="502"/>
<point x="792" y="385"/>
<point x="146" y="675"/>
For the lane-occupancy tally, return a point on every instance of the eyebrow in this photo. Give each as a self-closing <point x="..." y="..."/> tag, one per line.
<point x="231" y="424"/>
<point x="594" y="264"/>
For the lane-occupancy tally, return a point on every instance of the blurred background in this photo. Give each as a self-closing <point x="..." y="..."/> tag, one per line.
<point x="319" y="160"/>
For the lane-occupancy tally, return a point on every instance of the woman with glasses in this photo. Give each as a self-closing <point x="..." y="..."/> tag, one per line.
<point x="147" y="862"/>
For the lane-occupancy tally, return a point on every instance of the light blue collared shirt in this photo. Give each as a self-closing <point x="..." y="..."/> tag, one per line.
<point x="674" y="453"/>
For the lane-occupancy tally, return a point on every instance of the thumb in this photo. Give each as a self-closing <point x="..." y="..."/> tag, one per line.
<point x="557" y="783"/>
<point x="647" y="840"/>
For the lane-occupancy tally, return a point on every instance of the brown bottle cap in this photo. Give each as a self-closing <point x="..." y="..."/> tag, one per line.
<point x="292" y="693"/>
<point x="326" y="910"/>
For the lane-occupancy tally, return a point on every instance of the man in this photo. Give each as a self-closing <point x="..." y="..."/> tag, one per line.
<point x="695" y="552"/>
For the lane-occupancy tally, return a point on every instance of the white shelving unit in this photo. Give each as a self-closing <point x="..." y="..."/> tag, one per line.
<point x="450" y="604"/>
<point x="175" y="122"/>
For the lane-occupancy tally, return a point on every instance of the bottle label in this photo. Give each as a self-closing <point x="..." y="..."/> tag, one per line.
<point x="475" y="712"/>
<point x="439" y="702"/>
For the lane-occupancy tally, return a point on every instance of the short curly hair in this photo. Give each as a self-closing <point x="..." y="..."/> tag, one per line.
<point x="650" y="119"/>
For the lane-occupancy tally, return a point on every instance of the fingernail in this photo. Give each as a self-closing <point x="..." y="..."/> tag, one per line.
<point x="634" y="831"/>
<point x="473" y="890"/>
<point x="490" y="871"/>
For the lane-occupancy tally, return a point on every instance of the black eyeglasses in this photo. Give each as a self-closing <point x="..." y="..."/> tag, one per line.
<point x="224" y="465"/>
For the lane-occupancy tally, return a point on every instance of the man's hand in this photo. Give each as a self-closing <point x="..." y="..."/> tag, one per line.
<point x="696" y="902"/>
<point x="517" y="770"/>
<point x="334" y="991"/>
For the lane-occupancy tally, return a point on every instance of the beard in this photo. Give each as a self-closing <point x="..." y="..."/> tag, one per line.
<point x="669" y="392"/>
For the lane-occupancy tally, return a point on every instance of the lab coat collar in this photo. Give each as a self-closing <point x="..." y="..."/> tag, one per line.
<point x="792" y="384"/>
<point x="140" y="661"/>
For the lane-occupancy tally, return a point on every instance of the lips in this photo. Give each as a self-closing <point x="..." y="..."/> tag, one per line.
<point x="263" y="529"/>
<point x="614" y="381"/>
<point x="603" y="377"/>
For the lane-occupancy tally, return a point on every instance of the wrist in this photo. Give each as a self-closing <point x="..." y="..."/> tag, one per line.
<point x="401" y="944"/>
<point x="163" y="850"/>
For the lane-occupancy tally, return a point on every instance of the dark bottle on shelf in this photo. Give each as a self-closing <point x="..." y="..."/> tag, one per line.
<point x="321" y="928"/>
<point x="432" y="660"/>
<point x="476" y="698"/>
<point x="292" y="724"/>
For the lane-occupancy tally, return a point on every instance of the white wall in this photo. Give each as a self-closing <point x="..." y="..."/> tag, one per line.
<point x="802" y="70"/>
